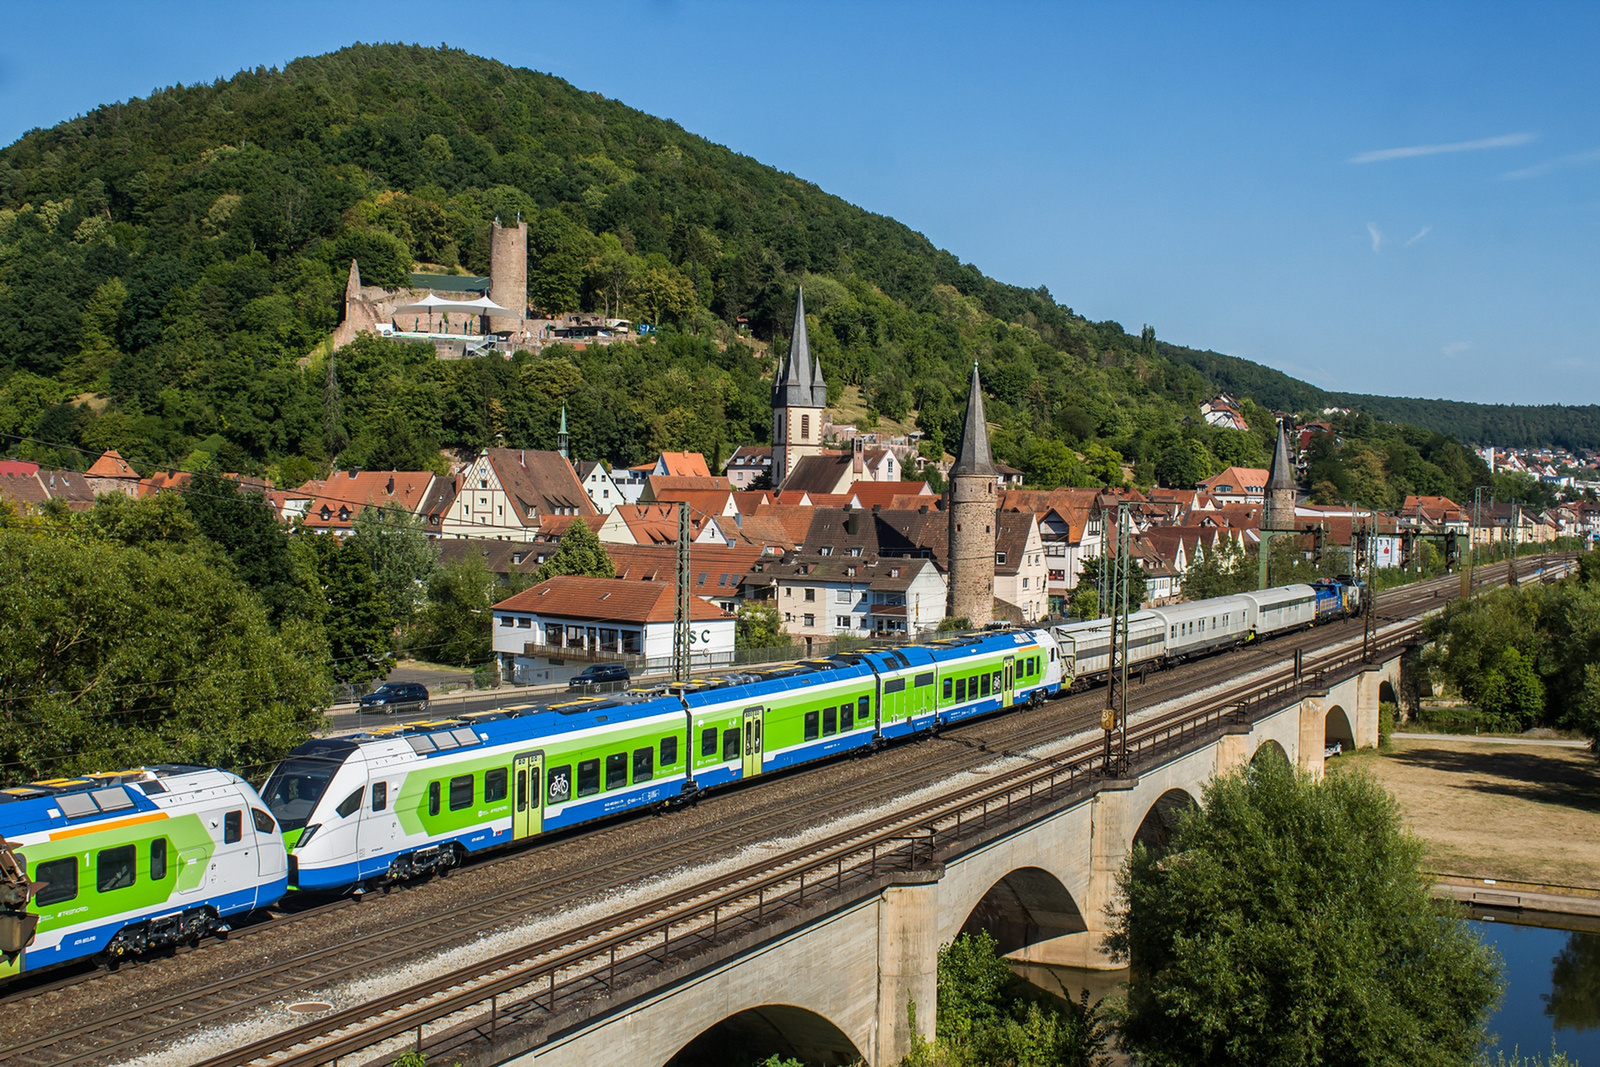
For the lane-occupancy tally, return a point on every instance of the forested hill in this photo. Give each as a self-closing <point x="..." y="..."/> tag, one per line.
<point x="1510" y="425"/>
<point x="171" y="267"/>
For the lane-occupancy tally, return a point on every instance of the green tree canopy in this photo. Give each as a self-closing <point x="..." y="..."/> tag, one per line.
<point x="359" y="628"/>
<point x="579" y="552"/>
<point x="1289" y="923"/>
<point x="457" y="619"/>
<point x="401" y="556"/>
<point x="759" y="626"/>
<point x="118" y="655"/>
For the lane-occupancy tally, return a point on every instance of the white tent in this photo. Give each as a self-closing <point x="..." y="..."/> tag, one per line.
<point x="433" y="302"/>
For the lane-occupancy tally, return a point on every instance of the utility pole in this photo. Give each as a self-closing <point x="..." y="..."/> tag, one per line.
<point x="1369" y="630"/>
<point x="1472" y="541"/>
<point x="1114" y="719"/>
<point x="680" y="611"/>
<point x="1511" y="559"/>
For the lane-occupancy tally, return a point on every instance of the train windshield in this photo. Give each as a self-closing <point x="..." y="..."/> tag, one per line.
<point x="300" y="780"/>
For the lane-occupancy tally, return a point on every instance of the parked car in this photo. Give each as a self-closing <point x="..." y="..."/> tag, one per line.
<point x="599" y="674"/>
<point x="397" y="696"/>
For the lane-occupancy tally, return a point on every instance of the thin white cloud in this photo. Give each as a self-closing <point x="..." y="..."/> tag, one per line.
<point x="1455" y="348"/>
<point x="1538" y="170"/>
<point x="1381" y="155"/>
<point x="1420" y="234"/>
<point x="1377" y="236"/>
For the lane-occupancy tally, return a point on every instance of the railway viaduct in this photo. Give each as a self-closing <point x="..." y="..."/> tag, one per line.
<point x="834" y="982"/>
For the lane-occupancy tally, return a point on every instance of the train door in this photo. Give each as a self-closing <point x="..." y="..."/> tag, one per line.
<point x="527" y="778"/>
<point x="1009" y="696"/>
<point x="752" y="741"/>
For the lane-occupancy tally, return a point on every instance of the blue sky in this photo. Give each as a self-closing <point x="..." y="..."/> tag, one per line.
<point x="1392" y="198"/>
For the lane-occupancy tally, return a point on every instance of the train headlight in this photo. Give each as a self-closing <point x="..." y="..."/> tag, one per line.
<point x="307" y="834"/>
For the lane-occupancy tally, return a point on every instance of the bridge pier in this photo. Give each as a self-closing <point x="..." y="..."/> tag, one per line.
<point x="908" y="967"/>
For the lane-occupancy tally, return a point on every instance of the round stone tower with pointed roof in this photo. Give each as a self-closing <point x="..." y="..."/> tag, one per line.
<point x="971" y="509"/>
<point x="1280" y="487"/>
<point x="799" y="396"/>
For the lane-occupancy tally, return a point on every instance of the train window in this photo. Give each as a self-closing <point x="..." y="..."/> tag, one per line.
<point x="158" y="859"/>
<point x="984" y="683"/>
<point x="380" y="795"/>
<point x="708" y="741"/>
<point x="811" y="726"/>
<point x="895" y="685"/>
<point x="644" y="764"/>
<point x="263" y="821"/>
<point x="846" y="711"/>
<point x="1174" y="631"/>
<point x="830" y="721"/>
<point x="560" y="779"/>
<point x="588" y="777"/>
<point x="495" y="781"/>
<point x="947" y="684"/>
<point x="864" y="709"/>
<point x="923" y="679"/>
<point x="60" y="878"/>
<point x="961" y="689"/>
<point x="460" y="792"/>
<point x="616" y="771"/>
<point x="232" y="827"/>
<point x="669" y="750"/>
<point x="113" y="868"/>
<point x="730" y="744"/>
<point x="347" y="807"/>
<point x="433" y="798"/>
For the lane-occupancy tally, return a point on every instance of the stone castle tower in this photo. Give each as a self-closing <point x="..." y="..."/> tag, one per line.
<point x="971" y="509"/>
<point x="1280" y="488"/>
<point x="508" y="275"/>
<point x="798" y="398"/>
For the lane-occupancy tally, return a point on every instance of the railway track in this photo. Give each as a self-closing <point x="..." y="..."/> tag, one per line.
<point x="123" y="1034"/>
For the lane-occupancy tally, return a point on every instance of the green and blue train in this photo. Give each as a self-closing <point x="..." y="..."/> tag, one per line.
<point x="390" y="804"/>
<point x="109" y="865"/>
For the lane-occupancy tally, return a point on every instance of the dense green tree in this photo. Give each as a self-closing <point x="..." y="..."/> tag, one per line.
<point x="400" y="555"/>
<point x="987" y="1015"/>
<point x="356" y="618"/>
<point x="119" y="654"/>
<point x="578" y="552"/>
<point x="456" y="622"/>
<point x="1290" y="923"/>
<point x="1138" y="582"/>
<point x="759" y="626"/>
<point x="255" y="541"/>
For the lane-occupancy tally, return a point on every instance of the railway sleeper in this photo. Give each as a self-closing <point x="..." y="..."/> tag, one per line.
<point x="162" y="932"/>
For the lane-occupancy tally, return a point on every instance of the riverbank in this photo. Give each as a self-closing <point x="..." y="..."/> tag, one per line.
<point x="1496" y="809"/>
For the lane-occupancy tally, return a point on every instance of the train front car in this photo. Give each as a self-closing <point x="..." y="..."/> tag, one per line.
<point x="117" y="864"/>
<point x="416" y="798"/>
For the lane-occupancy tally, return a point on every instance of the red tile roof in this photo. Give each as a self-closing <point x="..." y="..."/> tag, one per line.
<point x="570" y="596"/>
<point x="685" y="464"/>
<point x="111" y="465"/>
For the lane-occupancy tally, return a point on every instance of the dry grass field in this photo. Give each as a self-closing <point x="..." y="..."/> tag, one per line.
<point x="1487" y="810"/>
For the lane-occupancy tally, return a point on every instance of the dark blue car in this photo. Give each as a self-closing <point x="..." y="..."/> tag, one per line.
<point x="396" y="696"/>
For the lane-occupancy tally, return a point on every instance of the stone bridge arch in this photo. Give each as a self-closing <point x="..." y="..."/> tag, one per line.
<point x="1337" y="727"/>
<point x="1155" y="829"/>
<point x="784" y="1030"/>
<point x="1270" y="749"/>
<point x="1027" y="907"/>
<point x="1387" y="694"/>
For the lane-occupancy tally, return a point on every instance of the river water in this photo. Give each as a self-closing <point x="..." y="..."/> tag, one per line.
<point x="1552" y="987"/>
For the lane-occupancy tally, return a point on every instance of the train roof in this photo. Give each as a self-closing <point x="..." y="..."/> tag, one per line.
<point x="55" y="802"/>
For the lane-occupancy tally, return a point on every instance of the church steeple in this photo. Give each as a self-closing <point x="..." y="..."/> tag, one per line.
<point x="561" y="434"/>
<point x="799" y="396"/>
